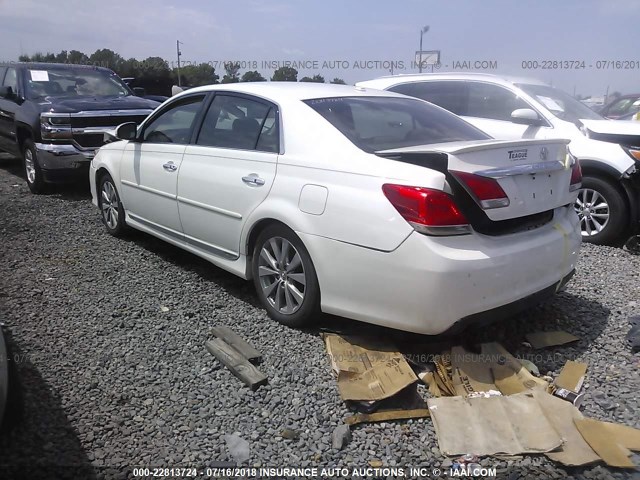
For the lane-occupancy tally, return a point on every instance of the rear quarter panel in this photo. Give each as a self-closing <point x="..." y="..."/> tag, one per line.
<point x="356" y="210"/>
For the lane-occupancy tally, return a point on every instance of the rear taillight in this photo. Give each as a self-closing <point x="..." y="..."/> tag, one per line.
<point x="576" y="175"/>
<point x="432" y="212"/>
<point x="487" y="191"/>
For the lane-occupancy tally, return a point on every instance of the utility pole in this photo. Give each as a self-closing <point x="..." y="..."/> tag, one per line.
<point x="423" y="30"/>
<point x="178" y="42"/>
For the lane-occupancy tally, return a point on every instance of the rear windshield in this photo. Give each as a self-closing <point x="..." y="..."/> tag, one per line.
<point x="74" y="82"/>
<point x="383" y="123"/>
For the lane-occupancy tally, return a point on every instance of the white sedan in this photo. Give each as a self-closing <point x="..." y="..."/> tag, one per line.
<point x="356" y="202"/>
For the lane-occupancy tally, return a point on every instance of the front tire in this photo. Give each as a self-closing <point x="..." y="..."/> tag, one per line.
<point x="285" y="278"/>
<point x="111" y="209"/>
<point x="603" y="212"/>
<point x="33" y="172"/>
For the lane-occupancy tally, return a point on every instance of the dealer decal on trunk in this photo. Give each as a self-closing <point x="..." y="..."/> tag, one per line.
<point x="520" y="154"/>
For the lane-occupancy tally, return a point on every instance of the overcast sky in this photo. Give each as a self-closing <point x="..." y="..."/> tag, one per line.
<point x="507" y="32"/>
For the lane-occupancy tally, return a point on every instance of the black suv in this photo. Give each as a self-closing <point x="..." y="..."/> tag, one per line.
<point x="55" y="116"/>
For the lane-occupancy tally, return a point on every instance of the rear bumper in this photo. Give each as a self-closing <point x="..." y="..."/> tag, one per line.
<point x="428" y="284"/>
<point x="63" y="163"/>
<point x="510" y="309"/>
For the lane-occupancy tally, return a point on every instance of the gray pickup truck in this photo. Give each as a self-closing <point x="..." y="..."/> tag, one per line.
<point x="55" y="116"/>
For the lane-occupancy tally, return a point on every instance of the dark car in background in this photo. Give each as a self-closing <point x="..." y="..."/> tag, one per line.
<point x="55" y="116"/>
<point x="623" y="106"/>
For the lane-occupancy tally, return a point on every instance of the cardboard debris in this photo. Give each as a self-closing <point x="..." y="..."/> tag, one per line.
<point x="549" y="339"/>
<point x="575" y="451"/>
<point x="496" y="425"/>
<point x="493" y="369"/>
<point x="367" y="371"/>
<point x="506" y="381"/>
<point x="603" y="440"/>
<point x="471" y="373"/>
<point x="429" y="378"/>
<point x="386" y="415"/>
<point x="572" y="376"/>
<point x="444" y="374"/>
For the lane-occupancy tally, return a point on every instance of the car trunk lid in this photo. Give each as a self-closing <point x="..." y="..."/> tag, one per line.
<point x="533" y="174"/>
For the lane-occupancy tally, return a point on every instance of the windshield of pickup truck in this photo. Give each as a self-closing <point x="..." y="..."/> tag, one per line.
<point x="73" y="82"/>
<point x="561" y="104"/>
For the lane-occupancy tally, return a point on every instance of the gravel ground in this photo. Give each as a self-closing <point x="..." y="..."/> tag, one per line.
<point x="108" y="339"/>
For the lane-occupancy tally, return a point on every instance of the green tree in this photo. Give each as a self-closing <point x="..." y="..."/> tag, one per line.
<point x="338" y="81"/>
<point x="285" y="74"/>
<point x="252" y="76"/>
<point x="196" y="75"/>
<point x="231" y="75"/>
<point x="315" y="79"/>
<point x="38" y="57"/>
<point x="62" y="57"/>
<point x="106" y="58"/>
<point x="77" y="58"/>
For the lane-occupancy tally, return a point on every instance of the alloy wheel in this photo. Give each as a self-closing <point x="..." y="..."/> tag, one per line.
<point x="282" y="275"/>
<point x="109" y="204"/>
<point x="29" y="165"/>
<point x="593" y="211"/>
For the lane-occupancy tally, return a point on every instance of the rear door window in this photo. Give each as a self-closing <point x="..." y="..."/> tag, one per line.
<point x="241" y="123"/>
<point x="449" y="95"/>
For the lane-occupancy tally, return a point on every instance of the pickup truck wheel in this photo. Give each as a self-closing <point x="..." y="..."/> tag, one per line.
<point x="603" y="213"/>
<point x="32" y="170"/>
<point x="111" y="209"/>
<point x="285" y="278"/>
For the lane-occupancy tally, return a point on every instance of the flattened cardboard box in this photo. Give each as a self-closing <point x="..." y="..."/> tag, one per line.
<point x="572" y="376"/>
<point x="495" y="425"/>
<point x="612" y="442"/>
<point x="367" y="371"/>
<point x="550" y="339"/>
<point x="493" y="369"/>
<point x="575" y="451"/>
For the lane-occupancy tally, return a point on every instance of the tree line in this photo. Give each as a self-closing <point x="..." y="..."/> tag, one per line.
<point x="156" y="70"/>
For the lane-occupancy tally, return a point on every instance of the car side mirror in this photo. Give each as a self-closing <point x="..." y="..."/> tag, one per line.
<point x="139" y="91"/>
<point x="127" y="131"/>
<point x="6" y="92"/>
<point x="526" y="116"/>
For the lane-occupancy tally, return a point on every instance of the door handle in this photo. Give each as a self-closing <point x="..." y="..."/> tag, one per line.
<point x="170" y="167"/>
<point x="253" y="180"/>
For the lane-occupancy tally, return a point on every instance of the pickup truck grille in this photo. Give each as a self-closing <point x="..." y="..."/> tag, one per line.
<point x="89" y="140"/>
<point x="104" y="121"/>
<point x="88" y="128"/>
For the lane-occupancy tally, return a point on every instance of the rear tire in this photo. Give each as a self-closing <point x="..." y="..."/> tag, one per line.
<point x="33" y="172"/>
<point x="285" y="278"/>
<point x="111" y="209"/>
<point x="603" y="212"/>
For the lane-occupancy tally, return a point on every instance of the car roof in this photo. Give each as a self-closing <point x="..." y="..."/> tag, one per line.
<point x="281" y="91"/>
<point x="53" y="66"/>
<point x="392" y="80"/>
